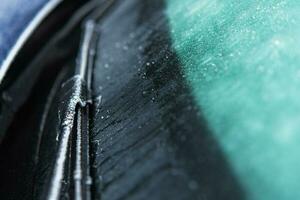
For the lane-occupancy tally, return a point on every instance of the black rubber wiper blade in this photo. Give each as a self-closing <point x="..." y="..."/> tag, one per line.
<point x="75" y="120"/>
<point x="33" y="58"/>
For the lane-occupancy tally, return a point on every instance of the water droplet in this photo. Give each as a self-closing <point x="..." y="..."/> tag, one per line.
<point x="117" y="45"/>
<point x="132" y="35"/>
<point x="193" y="185"/>
<point x="89" y="180"/>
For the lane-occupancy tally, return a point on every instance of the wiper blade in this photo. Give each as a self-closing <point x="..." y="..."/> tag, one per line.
<point x="75" y="120"/>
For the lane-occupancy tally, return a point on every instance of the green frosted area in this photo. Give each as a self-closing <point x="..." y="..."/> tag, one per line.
<point x="242" y="62"/>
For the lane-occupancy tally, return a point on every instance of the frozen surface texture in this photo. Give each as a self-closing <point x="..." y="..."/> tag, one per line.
<point x="147" y="140"/>
<point x="242" y="61"/>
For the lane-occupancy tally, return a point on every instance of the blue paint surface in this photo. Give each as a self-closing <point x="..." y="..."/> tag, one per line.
<point x="15" y="15"/>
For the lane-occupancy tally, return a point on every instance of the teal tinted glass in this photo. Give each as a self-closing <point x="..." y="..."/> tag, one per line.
<point x="241" y="60"/>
